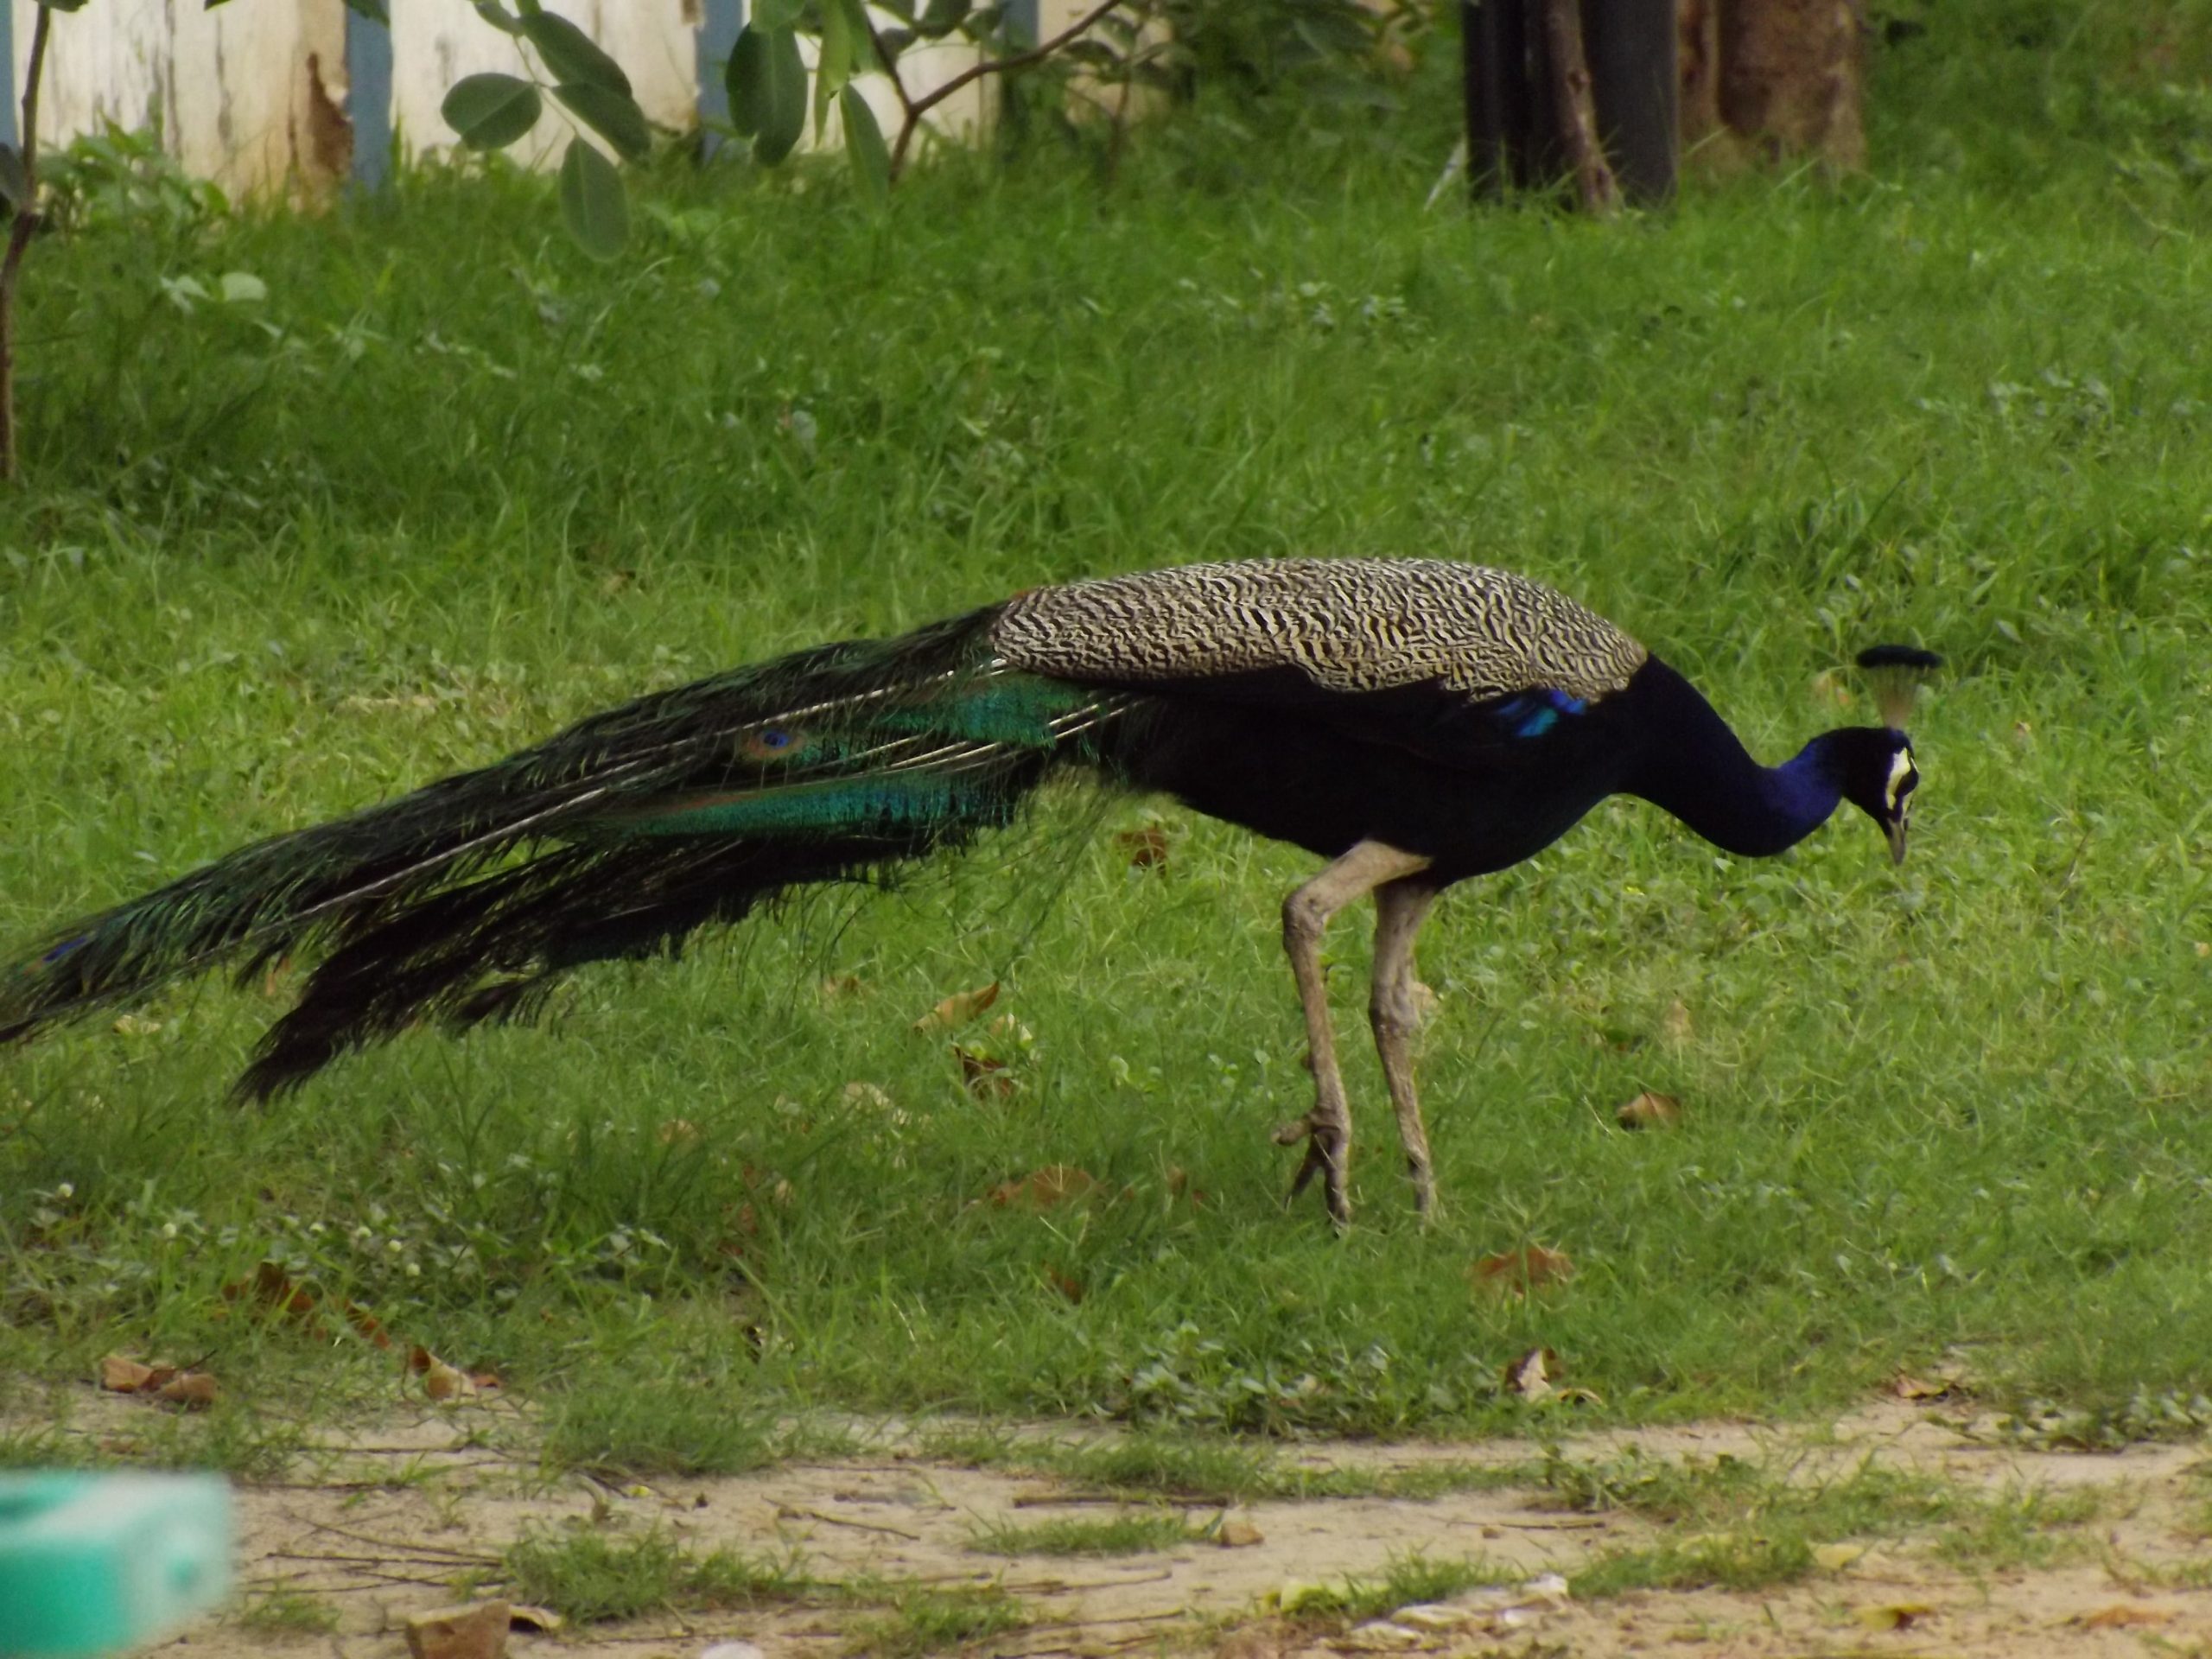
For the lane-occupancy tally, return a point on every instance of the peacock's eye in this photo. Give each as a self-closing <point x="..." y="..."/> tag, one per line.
<point x="1904" y="778"/>
<point x="776" y="740"/>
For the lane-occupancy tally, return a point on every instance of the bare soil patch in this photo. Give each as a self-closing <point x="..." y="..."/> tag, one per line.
<point x="391" y="1516"/>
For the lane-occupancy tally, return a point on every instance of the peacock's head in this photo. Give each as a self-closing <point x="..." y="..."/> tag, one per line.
<point x="1878" y="772"/>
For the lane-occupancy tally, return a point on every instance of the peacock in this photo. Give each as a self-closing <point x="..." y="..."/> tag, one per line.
<point x="1415" y="722"/>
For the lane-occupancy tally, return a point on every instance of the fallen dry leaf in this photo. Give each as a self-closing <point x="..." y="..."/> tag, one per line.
<point x="1145" y="847"/>
<point x="276" y="1291"/>
<point x="478" y="1632"/>
<point x="136" y="1025"/>
<point x="838" y="987"/>
<point x="1069" y="1287"/>
<point x="1829" y="690"/>
<point x="1516" y="1273"/>
<point x="537" y="1621"/>
<point x="120" y="1376"/>
<point x="1895" y="1616"/>
<point x="1043" y="1188"/>
<point x="1906" y="1387"/>
<point x="442" y="1382"/>
<point x="984" y="1077"/>
<point x="273" y="1288"/>
<point x="2119" y="1618"/>
<point x="440" y="1379"/>
<point x="1675" y="1025"/>
<point x="193" y="1390"/>
<point x="958" y="1008"/>
<point x="676" y="1129"/>
<point x="866" y="1094"/>
<point x="1239" y="1535"/>
<point x="1833" y="1558"/>
<point x="1530" y="1376"/>
<point x="1648" y="1111"/>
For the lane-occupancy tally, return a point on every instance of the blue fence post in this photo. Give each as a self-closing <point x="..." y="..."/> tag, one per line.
<point x="368" y="97"/>
<point x="9" y="132"/>
<point x="719" y="22"/>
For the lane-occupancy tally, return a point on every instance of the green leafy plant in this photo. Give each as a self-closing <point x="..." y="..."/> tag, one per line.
<point x="492" y="110"/>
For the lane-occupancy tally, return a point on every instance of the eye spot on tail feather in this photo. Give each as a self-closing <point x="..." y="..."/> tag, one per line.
<point x="770" y="743"/>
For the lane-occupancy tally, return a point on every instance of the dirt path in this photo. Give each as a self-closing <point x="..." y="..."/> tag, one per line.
<point x="386" y="1523"/>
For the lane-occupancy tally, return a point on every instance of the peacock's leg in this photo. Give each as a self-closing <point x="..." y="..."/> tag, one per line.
<point x="1327" y="1129"/>
<point x="1394" y="1010"/>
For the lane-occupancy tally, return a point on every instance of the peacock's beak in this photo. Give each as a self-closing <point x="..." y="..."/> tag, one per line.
<point x="1895" y="831"/>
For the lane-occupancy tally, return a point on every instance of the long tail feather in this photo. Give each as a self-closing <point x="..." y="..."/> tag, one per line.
<point x="463" y="901"/>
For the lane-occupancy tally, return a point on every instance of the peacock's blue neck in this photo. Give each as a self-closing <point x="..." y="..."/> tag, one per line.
<point x="1696" y="769"/>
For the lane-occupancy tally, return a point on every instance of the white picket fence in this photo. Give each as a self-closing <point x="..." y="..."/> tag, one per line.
<point x="299" y="94"/>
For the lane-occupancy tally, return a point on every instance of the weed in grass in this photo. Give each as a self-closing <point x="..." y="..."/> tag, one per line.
<point x="48" y="1448"/>
<point x="282" y="1610"/>
<point x="2106" y="1425"/>
<point x="1406" y="1580"/>
<point x="588" y="1576"/>
<point x="2192" y="1575"/>
<point x="1196" y="1469"/>
<point x="617" y="1426"/>
<point x="1729" y="1562"/>
<point x="250" y="1443"/>
<point x="2025" y="1527"/>
<point x="1866" y="1498"/>
<point x="1205" y="1471"/>
<point x="1135" y="1532"/>
<point x="923" y="1619"/>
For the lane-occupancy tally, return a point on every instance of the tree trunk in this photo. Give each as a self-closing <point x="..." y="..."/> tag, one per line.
<point x="1577" y="112"/>
<point x="1697" y="60"/>
<point x="1793" y="75"/>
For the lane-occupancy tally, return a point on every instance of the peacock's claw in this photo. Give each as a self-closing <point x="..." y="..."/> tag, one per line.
<point x="1326" y="1141"/>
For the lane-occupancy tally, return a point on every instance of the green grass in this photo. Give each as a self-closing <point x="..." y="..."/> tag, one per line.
<point x="924" y="1618"/>
<point x="1203" y="1470"/>
<point x="1737" y="1525"/>
<point x="451" y="485"/>
<point x="286" y="1612"/>
<point x="1133" y="1532"/>
<point x="1407" y="1582"/>
<point x="589" y="1576"/>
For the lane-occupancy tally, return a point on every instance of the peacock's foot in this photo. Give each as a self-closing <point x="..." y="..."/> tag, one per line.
<point x="1327" y="1134"/>
<point x="1424" y="1182"/>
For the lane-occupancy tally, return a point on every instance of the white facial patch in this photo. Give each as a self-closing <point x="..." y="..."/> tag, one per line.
<point x="1900" y="773"/>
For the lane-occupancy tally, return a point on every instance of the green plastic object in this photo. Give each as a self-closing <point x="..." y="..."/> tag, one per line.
<point x="97" y="1563"/>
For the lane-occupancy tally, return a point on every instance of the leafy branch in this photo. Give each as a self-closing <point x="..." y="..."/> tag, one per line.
<point x="766" y="75"/>
<point x="915" y="109"/>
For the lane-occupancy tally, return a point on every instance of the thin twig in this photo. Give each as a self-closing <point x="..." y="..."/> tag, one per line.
<point x="19" y="242"/>
<point x="1071" y="1586"/>
<point x="352" y="1563"/>
<point x="921" y="106"/>
<point x="889" y="65"/>
<point x="857" y="1526"/>
<point x="393" y="1543"/>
